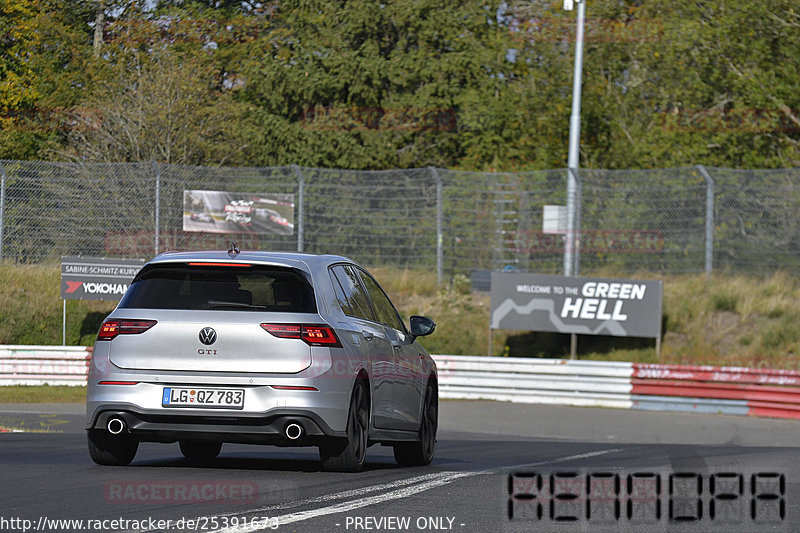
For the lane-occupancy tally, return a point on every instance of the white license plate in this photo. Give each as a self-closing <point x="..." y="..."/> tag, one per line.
<point x="202" y="398"/>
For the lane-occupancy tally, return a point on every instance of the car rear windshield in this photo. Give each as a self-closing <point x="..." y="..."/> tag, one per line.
<point x="229" y="288"/>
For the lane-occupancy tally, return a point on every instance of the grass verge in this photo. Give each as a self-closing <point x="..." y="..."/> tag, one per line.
<point x="42" y="394"/>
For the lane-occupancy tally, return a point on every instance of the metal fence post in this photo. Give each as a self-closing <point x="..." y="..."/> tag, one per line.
<point x="576" y="226"/>
<point x="301" y="186"/>
<point x="157" y="170"/>
<point x="573" y="241"/>
<point x="439" y="228"/>
<point x="2" y="205"/>
<point x="709" y="219"/>
<point x="569" y="242"/>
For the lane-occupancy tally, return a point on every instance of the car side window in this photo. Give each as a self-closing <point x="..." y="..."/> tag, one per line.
<point x="343" y="303"/>
<point x="352" y="298"/>
<point x="385" y="311"/>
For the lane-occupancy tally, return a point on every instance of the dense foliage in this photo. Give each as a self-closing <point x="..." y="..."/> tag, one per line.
<point x="371" y="84"/>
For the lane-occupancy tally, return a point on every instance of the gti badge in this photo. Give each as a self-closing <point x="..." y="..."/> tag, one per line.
<point x="208" y="336"/>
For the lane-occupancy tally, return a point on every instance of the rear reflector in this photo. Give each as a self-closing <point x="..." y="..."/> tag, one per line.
<point x="112" y="328"/>
<point x="118" y="383"/>
<point x="288" y="387"/>
<point x="311" y="334"/>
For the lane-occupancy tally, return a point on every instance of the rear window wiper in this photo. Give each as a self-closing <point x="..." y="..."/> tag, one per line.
<point x="218" y="304"/>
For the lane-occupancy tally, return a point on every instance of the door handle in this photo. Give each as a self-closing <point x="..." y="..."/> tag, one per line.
<point x="396" y="346"/>
<point x="367" y="336"/>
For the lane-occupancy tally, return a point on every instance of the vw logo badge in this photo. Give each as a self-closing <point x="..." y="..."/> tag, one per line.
<point x="208" y="336"/>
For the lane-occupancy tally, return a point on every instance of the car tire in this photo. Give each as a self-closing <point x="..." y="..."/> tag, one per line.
<point x="111" y="450"/>
<point x="349" y="454"/>
<point x="421" y="452"/>
<point x="200" y="450"/>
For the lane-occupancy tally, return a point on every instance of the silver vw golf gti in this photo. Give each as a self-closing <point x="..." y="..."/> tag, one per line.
<point x="286" y="349"/>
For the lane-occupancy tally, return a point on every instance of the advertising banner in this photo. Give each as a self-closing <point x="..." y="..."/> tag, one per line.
<point x="236" y="212"/>
<point x="586" y="306"/>
<point x="97" y="278"/>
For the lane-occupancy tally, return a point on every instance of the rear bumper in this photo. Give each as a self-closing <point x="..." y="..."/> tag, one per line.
<point x="266" y="398"/>
<point x="247" y="428"/>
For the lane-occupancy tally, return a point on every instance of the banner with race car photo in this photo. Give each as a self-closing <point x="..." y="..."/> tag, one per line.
<point x="236" y="212"/>
<point x="585" y="306"/>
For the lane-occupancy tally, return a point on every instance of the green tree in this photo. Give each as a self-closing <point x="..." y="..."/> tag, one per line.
<point x="368" y="84"/>
<point x="42" y="71"/>
<point x="381" y="84"/>
<point x="162" y="94"/>
<point x="711" y="83"/>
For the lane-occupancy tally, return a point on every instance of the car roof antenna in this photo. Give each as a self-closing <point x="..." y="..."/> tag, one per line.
<point x="234" y="250"/>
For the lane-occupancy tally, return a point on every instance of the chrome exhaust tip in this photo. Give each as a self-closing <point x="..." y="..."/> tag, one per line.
<point x="116" y="426"/>
<point x="293" y="431"/>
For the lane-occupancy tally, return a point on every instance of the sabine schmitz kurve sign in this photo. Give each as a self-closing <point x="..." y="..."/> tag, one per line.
<point x="97" y="278"/>
<point x="587" y="306"/>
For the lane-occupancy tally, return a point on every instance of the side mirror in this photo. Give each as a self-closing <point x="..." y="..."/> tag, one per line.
<point x="421" y="326"/>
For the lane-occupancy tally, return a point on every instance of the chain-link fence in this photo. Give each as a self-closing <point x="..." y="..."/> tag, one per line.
<point x="691" y="219"/>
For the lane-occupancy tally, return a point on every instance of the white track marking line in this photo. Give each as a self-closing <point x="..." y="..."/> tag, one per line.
<point x="350" y="505"/>
<point x="428" y="482"/>
<point x="347" y="493"/>
<point x="353" y="493"/>
<point x="564" y="459"/>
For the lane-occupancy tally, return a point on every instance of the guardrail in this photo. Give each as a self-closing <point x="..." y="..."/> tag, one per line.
<point x="44" y="365"/>
<point x="738" y="390"/>
<point x="552" y="381"/>
<point x="706" y="389"/>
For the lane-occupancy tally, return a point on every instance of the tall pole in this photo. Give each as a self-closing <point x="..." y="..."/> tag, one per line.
<point x="570" y="248"/>
<point x="574" y="146"/>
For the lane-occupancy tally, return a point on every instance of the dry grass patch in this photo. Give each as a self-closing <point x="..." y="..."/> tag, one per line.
<point x="42" y="394"/>
<point x="721" y="320"/>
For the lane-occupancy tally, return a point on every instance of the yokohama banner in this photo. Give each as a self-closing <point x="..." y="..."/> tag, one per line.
<point x="97" y="278"/>
<point x="586" y="306"/>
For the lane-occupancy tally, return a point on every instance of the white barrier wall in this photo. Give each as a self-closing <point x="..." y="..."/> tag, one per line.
<point x="551" y="381"/>
<point x="40" y="365"/>
<point x="727" y="390"/>
<point x="653" y="387"/>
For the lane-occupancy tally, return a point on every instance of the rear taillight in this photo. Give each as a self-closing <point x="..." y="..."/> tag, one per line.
<point x="112" y="328"/>
<point x="311" y="334"/>
<point x="284" y="331"/>
<point x="319" y="336"/>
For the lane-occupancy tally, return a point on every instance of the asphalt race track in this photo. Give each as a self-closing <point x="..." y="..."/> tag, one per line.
<point x="498" y="467"/>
